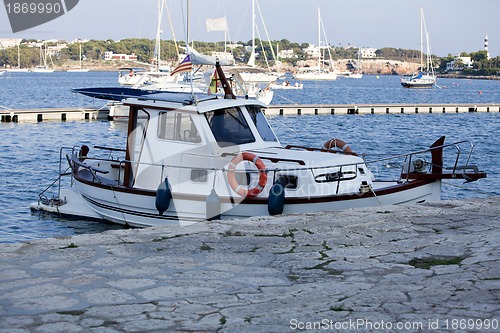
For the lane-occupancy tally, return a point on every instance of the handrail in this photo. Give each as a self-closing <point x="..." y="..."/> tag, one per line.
<point x="455" y="144"/>
<point x="312" y="169"/>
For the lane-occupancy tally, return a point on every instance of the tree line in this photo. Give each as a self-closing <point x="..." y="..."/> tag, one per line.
<point x="94" y="50"/>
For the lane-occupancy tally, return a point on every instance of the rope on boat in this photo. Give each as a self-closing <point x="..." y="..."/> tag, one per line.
<point x="119" y="206"/>
<point x="374" y="194"/>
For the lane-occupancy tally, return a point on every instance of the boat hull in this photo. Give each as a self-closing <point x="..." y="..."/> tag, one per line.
<point x="133" y="207"/>
<point x="413" y="85"/>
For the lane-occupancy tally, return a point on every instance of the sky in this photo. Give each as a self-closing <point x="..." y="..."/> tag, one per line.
<point x="454" y="26"/>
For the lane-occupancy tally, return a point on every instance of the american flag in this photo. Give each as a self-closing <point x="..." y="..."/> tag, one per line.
<point x="185" y="66"/>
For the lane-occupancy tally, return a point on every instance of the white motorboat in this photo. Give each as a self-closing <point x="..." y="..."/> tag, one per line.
<point x="286" y="85"/>
<point x="196" y="157"/>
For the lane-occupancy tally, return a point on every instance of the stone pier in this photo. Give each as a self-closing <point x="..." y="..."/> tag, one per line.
<point x="432" y="267"/>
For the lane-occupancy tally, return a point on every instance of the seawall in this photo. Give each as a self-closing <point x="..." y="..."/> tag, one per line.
<point x="424" y="267"/>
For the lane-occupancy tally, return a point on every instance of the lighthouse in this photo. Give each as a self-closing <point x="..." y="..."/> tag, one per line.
<point x="486" y="46"/>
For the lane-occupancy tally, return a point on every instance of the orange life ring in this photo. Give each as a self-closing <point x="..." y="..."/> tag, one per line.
<point x="243" y="190"/>
<point x="337" y="143"/>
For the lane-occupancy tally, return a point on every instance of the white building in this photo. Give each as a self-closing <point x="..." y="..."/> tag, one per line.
<point x="109" y="55"/>
<point x="367" y="52"/>
<point x="312" y="51"/>
<point x="287" y="54"/>
<point x="459" y="63"/>
<point x="9" y="42"/>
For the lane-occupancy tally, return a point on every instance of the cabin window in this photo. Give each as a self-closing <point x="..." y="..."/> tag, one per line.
<point x="199" y="176"/>
<point x="177" y="126"/>
<point x="261" y="123"/>
<point x="229" y="127"/>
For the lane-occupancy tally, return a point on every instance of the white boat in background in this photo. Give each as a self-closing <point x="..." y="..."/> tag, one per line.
<point x="254" y="79"/>
<point x="18" y="69"/>
<point x="80" y="69"/>
<point x="43" y="67"/>
<point x="195" y="157"/>
<point x="312" y="74"/>
<point x="158" y="76"/>
<point x="286" y="85"/>
<point x="320" y="72"/>
<point x="356" y="73"/>
<point x="425" y="78"/>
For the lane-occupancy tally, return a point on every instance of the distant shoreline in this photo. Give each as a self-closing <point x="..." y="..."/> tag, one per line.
<point x="371" y="67"/>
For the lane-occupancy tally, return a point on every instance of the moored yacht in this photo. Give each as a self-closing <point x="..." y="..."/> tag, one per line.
<point x="194" y="157"/>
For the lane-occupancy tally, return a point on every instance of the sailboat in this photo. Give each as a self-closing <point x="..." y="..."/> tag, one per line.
<point x="79" y="69"/>
<point x="320" y="72"/>
<point x="250" y="80"/>
<point x="43" y="68"/>
<point x="154" y="78"/>
<point x="425" y="78"/>
<point x="357" y="73"/>
<point x="18" y="69"/>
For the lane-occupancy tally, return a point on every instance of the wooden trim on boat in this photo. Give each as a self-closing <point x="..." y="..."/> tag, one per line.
<point x="260" y="201"/>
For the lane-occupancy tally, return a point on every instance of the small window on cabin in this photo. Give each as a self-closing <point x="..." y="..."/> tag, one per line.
<point x="199" y="176"/>
<point x="229" y="127"/>
<point x="177" y="126"/>
<point x="261" y="123"/>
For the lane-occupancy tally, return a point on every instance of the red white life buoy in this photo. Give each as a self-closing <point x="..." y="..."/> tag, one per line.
<point x="337" y="143"/>
<point x="242" y="190"/>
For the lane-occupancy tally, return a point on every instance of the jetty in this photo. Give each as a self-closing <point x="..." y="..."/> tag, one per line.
<point x="424" y="268"/>
<point x="67" y="114"/>
<point x="344" y="109"/>
<point x="51" y="114"/>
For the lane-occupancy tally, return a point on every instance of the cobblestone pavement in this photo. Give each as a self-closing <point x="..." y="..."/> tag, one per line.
<point x="425" y="268"/>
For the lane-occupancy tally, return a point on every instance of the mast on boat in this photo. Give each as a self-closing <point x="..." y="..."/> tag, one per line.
<point x="421" y="39"/>
<point x="319" y="41"/>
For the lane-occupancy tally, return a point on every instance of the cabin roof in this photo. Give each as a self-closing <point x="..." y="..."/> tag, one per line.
<point x="200" y="102"/>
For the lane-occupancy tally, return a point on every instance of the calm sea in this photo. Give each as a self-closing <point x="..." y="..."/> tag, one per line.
<point x="29" y="152"/>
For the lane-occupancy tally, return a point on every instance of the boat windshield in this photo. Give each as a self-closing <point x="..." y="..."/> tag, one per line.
<point x="229" y="127"/>
<point x="261" y="123"/>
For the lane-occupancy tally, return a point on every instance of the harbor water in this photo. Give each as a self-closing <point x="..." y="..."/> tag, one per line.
<point x="29" y="154"/>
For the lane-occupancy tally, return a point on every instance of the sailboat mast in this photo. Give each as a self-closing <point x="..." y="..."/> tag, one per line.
<point x="158" y="36"/>
<point x="251" y="61"/>
<point x="421" y="39"/>
<point x="319" y="40"/>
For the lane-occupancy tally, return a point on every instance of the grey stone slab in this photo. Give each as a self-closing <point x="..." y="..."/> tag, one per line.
<point x="258" y="274"/>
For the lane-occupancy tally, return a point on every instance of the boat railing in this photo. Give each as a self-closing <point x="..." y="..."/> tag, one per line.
<point x="321" y="174"/>
<point x="456" y="167"/>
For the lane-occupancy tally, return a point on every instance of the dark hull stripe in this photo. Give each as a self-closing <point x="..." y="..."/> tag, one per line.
<point x="260" y="201"/>
<point x="136" y="213"/>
